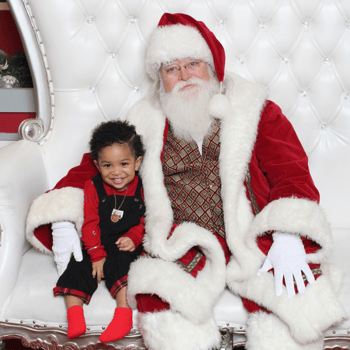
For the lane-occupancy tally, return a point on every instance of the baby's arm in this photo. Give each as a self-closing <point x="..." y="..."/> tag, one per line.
<point x="97" y="269"/>
<point x="91" y="233"/>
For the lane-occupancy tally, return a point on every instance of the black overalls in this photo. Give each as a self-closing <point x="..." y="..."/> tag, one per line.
<point x="77" y="279"/>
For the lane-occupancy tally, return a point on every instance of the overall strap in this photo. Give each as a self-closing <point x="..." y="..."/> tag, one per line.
<point x="138" y="189"/>
<point x="138" y="198"/>
<point x="101" y="192"/>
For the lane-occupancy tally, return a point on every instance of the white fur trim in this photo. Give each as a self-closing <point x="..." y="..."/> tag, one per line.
<point x="65" y="204"/>
<point x="268" y="332"/>
<point x="308" y="314"/>
<point x="193" y="297"/>
<point x="167" y="330"/>
<point x="237" y="135"/>
<point x="169" y="43"/>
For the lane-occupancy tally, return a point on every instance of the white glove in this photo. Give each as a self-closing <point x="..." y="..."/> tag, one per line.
<point x="65" y="242"/>
<point x="288" y="258"/>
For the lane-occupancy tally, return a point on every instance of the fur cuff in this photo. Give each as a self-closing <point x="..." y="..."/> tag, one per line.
<point x="268" y="332"/>
<point x="65" y="204"/>
<point x="169" y="330"/>
<point x="299" y="216"/>
<point x="193" y="297"/>
<point x="307" y="314"/>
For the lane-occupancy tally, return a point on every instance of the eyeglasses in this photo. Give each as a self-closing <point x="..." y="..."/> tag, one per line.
<point x="174" y="69"/>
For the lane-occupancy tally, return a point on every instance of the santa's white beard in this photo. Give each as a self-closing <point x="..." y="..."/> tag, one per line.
<point x="188" y="110"/>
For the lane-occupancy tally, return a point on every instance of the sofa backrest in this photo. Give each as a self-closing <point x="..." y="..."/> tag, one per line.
<point x="93" y="54"/>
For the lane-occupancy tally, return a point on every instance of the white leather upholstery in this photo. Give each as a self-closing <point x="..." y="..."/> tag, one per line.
<point x="94" y="52"/>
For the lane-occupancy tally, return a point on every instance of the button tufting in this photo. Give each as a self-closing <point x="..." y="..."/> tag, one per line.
<point x="306" y="24"/>
<point x="240" y="60"/>
<point x="263" y="25"/>
<point x="327" y="60"/>
<point x="221" y="23"/>
<point x="133" y="20"/>
<point x="285" y="60"/>
<point x="112" y="54"/>
<point x="324" y="127"/>
<point x="92" y="89"/>
<point x="347" y="96"/>
<point x="303" y="93"/>
<point x="348" y="25"/>
<point x="135" y="89"/>
<point x="90" y="20"/>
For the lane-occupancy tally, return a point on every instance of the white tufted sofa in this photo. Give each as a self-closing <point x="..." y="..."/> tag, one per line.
<point x="87" y="60"/>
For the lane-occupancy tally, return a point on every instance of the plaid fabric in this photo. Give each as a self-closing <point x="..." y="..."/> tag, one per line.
<point x="193" y="182"/>
<point x="192" y="262"/>
<point x="117" y="286"/>
<point x="57" y="291"/>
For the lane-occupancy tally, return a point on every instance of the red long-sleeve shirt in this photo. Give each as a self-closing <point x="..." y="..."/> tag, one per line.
<point x="91" y="233"/>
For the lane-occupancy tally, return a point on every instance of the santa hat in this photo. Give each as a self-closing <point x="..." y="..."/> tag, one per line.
<point x="179" y="36"/>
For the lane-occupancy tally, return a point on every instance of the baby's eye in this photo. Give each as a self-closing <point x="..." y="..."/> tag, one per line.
<point x="124" y="164"/>
<point x="106" y="165"/>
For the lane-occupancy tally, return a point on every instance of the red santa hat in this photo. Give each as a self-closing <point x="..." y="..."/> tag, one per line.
<point x="180" y="36"/>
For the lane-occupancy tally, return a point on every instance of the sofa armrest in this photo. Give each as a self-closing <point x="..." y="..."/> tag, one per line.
<point x="22" y="178"/>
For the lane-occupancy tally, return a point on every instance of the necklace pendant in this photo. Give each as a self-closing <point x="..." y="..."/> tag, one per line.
<point x="114" y="217"/>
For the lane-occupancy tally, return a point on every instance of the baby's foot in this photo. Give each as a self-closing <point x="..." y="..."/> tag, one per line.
<point x="119" y="327"/>
<point x="76" y="321"/>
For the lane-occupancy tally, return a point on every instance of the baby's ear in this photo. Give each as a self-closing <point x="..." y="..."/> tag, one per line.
<point x="97" y="165"/>
<point x="138" y="163"/>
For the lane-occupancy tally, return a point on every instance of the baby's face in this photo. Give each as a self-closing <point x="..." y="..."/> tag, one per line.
<point x="117" y="165"/>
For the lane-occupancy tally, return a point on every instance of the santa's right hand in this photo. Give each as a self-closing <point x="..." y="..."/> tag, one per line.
<point x="65" y="242"/>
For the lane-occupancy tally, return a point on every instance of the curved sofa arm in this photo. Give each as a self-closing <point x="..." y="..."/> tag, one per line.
<point x="22" y="178"/>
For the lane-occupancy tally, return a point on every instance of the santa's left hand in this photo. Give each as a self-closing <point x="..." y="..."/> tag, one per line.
<point x="288" y="258"/>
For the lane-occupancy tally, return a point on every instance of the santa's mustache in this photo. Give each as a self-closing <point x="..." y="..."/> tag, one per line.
<point x="192" y="81"/>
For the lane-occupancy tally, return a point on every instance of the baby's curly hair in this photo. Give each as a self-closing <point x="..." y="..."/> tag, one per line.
<point x="115" y="132"/>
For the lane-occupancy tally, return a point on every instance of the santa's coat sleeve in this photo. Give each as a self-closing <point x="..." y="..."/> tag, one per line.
<point x="290" y="205"/>
<point x="64" y="202"/>
<point x="282" y="158"/>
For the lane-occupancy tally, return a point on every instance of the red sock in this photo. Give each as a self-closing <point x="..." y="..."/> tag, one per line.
<point x="76" y="321"/>
<point x="120" y="325"/>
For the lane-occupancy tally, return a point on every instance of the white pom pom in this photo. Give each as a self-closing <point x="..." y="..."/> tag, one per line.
<point x="219" y="106"/>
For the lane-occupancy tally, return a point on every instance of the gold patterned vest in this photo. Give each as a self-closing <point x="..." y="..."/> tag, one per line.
<point x="193" y="182"/>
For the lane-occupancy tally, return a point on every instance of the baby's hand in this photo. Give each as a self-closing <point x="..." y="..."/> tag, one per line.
<point x="97" y="269"/>
<point x="126" y="244"/>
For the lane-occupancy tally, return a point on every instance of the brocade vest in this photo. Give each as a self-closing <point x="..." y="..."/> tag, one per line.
<point x="192" y="180"/>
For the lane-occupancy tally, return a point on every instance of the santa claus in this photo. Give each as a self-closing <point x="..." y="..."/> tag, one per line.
<point x="229" y="201"/>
